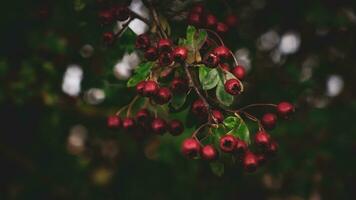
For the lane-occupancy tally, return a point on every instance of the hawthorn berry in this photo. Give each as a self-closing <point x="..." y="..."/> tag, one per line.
<point x="122" y="12"/>
<point x="108" y="37"/>
<point x="198" y="8"/>
<point x="195" y="19"/>
<point x="142" y="41"/>
<point x="231" y="20"/>
<point x="106" y="17"/>
<point x="164" y="45"/>
<point x="269" y="121"/>
<point x="261" y="159"/>
<point x="128" y="124"/>
<point x="209" y="153"/>
<point x="114" y="122"/>
<point x="165" y="59"/>
<point x="190" y="148"/>
<point x="225" y="66"/>
<point x="241" y="146"/>
<point x="163" y="96"/>
<point x="222" y="28"/>
<point x="176" y="127"/>
<point x="218" y="116"/>
<point x="239" y="72"/>
<point x="227" y="143"/>
<point x="210" y="20"/>
<point x="285" y="109"/>
<point x="151" y="54"/>
<point x="143" y="116"/>
<point x="233" y="87"/>
<point x="180" y="54"/>
<point x="250" y="162"/>
<point x="212" y="60"/>
<point x="199" y="108"/>
<point x="262" y="139"/>
<point x="222" y="52"/>
<point x="179" y="85"/>
<point x="140" y="87"/>
<point x="159" y="126"/>
<point x="272" y="149"/>
<point x="150" y="89"/>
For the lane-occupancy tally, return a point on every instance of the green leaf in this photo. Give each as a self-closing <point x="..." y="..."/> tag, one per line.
<point x="141" y="73"/>
<point x="238" y="128"/>
<point x="190" y="35"/>
<point x="178" y="100"/>
<point x="209" y="78"/>
<point x="217" y="168"/>
<point x="201" y="38"/>
<point x="231" y="122"/>
<point x="223" y="97"/>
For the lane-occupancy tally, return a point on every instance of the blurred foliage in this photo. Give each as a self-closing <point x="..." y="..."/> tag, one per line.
<point x="40" y="39"/>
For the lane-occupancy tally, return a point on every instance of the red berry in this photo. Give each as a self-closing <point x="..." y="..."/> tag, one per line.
<point x="142" y="41"/>
<point x="222" y="52"/>
<point x="180" y="54"/>
<point x="209" y="153"/>
<point x="210" y="20"/>
<point x="163" y="96"/>
<point x="218" y="116"/>
<point x="176" y="127"/>
<point x="269" y="121"/>
<point x="165" y="59"/>
<point x="106" y="17"/>
<point x="195" y="19"/>
<point x="222" y="28"/>
<point x="150" y="89"/>
<point x="272" y="149"/>
<point x="285" y="109"/>
<point x="250" y="162"/>
<point x="164" y="45"/>
<point x="241" y="146"/>
<point x="262" y="139"/>
<point x="159" y="126"/>
<point x="114" y="122"/>
<point x="239" y="72"/>
<point x="198" y="8"/>
<point x="128" y="124"/>
<point x="151" y="54"/>
<point x="231" y="20"/>
<point x="140" y="87"/>
<point x="108" y="38"/>
<point x="227" y="143"/>
<point x="199" y="109"/>
<point x="233" y="87"/>
<point x="143" y="116"/>
<point x="179" y="85"/>
<point x="225" y="66"/>
<point x="212" y="60"/>
<point x="190" y="148"/>
<point x="122" y="13"/>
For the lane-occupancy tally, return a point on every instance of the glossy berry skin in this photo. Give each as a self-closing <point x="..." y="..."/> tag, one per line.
<point x="233" y="87"/>
<point x="209" y="153"/>
<point x="159" y="126"/>
<point x="142" y="42"/>
<point x="250" y="162"/>
<point x="285" y="109"/>
<point x="113" y="122"/>
<point x="222" y="28"/>
<point x="163" y="96"/>
<point x="128" y="124"/>
<point x="272" y="149"/>
<point x="231" y="20"/>
<point x="199" y="108"/>
<point x="269" y="121"/>
<point x="176" y="127"/>
<point x="241" y="147"/>
<point x="222" y="52"/>
<point x="164" y="45"/>
<point x="122" y="13"/>
<point x="150" y="89"/>
<point x="180" y="54"/>
<point x="262" y="139"/>
<point x="210" y="21"/>
<point x="179" y="85"/>
<point x="106" y="17"/>
<point x="151" y="54"/>
<point x="165" y="59"/>
<point x="195" y="19"/>
<point x="190" y="148"/>
<point x="108" y="38"/>
<point x="239" y="72"/>
<point x="143" y="116"/>
<point x="212" y="60"/>
<point x="218" y="116"/>
<point x="140" y="87"/>
<point x="227" y="143"/>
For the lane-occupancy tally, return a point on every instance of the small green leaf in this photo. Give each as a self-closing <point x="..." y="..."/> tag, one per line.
<point x="231" y="122"/>
<point x="209" y="78"/>
<point x="217" y="168"/>
<point x="201" y="38"/>
<point x="141" y="73"/>
<point x="190" y="35"/>
<point x="178" y="100"/>
<point x="242" y="131"/>
<point x="224" y="97"/>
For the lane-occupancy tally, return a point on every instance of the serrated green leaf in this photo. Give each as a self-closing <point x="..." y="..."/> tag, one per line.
<point x="140" y="74"/>
<point x="223" y="97"/>
<point x="209" y="78"/>
<point x="178" y="100"/>
<point x="217" y="168"/>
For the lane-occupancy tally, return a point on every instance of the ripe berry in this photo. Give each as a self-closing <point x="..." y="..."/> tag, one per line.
<point x="233" y="87"/>
<point x="113" y="122"/>
<point x="227" y="143"/>
<point x="218" y="116"/>
<point x="272" y="149"/>
<point x="225" y="66"/>
<point x="212" y="60"/>
<point x="150" y="89"/>
<point x="209" y="153"/>
<point x="108" y="37"/>
<point x="199" y="109"/>
<point x="210" y="20"/>
<point x="143" y="116"/>
<point x="231" y="20"/>
<point x="221" y="28"/>
<point x="151" y="54"/>
<point x="142" y="41"/>
<point x="239" y="72"/>
<point x="190" y="148"/>
<point x="159" y="126"/>
<point x="262" y="139"/>
<point x="241" y="146"/>
<point x="165" y="59"/>
<point x="164" y="45"/>
<point x="198" y="8"/>
<point x="250" y="162"/>
<point x="163" y="96"/>
<point x="106" y="17"/>
<point x="128" y="124"/>
<point x="122" y="13"/>
<point x="222" y="52"/>
<point x="269" y="121"/>
<point x="194" y="19"/>
<point x="176" y="127"/>
<point x="180" y="54"/>
<point x="179" y="85"/>
<point x="140" y="87"/>
<point x="285" y="109"/>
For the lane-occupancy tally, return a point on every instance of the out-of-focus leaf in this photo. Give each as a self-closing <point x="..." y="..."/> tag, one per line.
<point x="217" y="168"/>
<point x="141" y="73"/>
